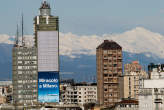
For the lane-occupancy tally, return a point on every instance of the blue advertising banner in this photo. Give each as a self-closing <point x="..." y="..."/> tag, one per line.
<point x="48" y="87"/>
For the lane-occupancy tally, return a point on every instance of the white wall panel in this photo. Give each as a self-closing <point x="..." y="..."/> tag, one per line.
<point x="48" y="51"/>
<point x="154" y="83"/>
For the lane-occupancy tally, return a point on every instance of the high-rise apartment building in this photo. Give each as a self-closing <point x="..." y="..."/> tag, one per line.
<point x="46" y="29"/>
<point x="109" y="68"/>
<point x="24" y="75"/>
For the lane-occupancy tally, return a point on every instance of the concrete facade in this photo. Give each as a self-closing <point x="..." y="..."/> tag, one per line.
<point x="151" y="96"/>
<point x="128" y="104"/>
<point x="109" y="68"/>
<point x="24" y="75"/>
<point x="130" y="84"/>
<point x="151" y="99"/>
<point x="132" y="80"/>
<point x="68" y="94"/>
<point x="87" y="94"/>
<point x="80" y="94"/>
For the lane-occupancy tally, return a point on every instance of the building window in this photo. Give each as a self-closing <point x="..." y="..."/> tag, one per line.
<point x="110" y="55"/>
<point x="105" y="75"/>
<point x="105" y="51"/>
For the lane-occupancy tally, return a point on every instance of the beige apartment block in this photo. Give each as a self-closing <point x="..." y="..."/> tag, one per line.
<point x="109" y="69"/>
<point x="129" y="86"/>
<point x="132" y="67"/>
<point x="132" y="80"/>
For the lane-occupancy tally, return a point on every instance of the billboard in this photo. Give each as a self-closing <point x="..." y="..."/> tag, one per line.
<point x="48" y="87"/>
<point x="48" y="50"/>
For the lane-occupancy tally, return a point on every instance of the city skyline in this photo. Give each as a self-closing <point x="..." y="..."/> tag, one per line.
<point x="61" y="64"/>
<point x="137" y="41"/>
<point x="124" y="23"/>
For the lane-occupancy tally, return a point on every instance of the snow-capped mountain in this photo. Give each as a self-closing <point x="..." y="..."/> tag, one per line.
<point x="138" y="40"/>
<point x="77" y="53"/>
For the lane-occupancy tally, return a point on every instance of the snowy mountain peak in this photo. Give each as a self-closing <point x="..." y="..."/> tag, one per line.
<point x="138" y="40"/>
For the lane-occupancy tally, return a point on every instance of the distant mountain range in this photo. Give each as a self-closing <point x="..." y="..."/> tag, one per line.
<point x="138" y="40"/>
<point x="81" y="68"/>
<point x="77" y="53"/>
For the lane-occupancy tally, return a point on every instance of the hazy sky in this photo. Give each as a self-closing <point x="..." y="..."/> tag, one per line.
<point x="86" y="17"/>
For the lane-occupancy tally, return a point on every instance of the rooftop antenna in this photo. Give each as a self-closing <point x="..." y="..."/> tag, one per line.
<point x="22" y="30"/>
<point x="17" y="35"/>
<point x="44" y="1"/>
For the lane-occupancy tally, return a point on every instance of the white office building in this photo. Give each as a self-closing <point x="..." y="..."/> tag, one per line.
<point x="151" y="96"/>
<point x="78" y="94"/>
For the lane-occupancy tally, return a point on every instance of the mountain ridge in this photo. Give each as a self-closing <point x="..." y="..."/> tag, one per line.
<point x="81" y="68"/>
<point x="78" y="53"/>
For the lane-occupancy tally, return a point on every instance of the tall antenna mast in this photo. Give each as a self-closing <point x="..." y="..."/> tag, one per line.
<point x="17" y="35"/>
<point x="22" y="31"/>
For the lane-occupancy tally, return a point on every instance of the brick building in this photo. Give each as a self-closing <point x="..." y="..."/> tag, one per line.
<point x="109" y="68"/>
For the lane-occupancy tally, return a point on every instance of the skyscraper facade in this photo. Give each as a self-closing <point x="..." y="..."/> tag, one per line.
<point x="24" y="75"/>
<point x="109" y="68"/>
<point x="46" y="28"/>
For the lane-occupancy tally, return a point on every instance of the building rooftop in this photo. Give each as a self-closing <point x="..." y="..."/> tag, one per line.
<point x="128" y="101"/>
<point x="5" y="83"/>
<point x="109" y="45"/>
<point x="85" y="84"/>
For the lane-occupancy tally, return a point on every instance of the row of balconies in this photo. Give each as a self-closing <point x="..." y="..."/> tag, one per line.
<point x="113" y="68"/>
<point x="25" y="54"/>
<point x="111" y="59"/>
<point x="113" y="99"/>
<point x="111" y="80"/>
<point x="114" y="53"/>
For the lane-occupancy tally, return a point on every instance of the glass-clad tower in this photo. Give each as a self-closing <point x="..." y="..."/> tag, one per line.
<point x="46" y="29"/>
